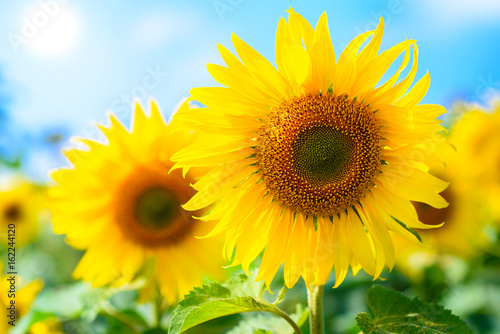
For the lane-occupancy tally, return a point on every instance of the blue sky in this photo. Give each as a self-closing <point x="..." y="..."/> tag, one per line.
<point x="64" y="63"/>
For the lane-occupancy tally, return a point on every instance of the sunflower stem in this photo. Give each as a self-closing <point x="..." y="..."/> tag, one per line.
<point x="108" y="310"/>
<point x="287" y="318"/>
<point x="315" y="301"/>
<point x="158" y="310"/>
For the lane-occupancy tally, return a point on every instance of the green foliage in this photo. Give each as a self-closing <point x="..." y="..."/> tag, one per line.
<point x="240" y="294"/>
<point x="156" y="331"/>
<point x="39" y="316"/>
<point x="433" y="283"/>
<point x="253" y="322"/>
<point x="135" y="317"/>
<point x="395" y="313"/>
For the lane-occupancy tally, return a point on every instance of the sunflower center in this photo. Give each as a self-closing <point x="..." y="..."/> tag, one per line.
<point x="148" y="207"/>
<point x="12" y="213"/>
<point x="157" y="208"/>
<point x="319" y="154"/>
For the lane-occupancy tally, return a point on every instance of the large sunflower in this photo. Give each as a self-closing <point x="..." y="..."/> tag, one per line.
<point x="313" y="161"/>
<point x="120" y="204"/>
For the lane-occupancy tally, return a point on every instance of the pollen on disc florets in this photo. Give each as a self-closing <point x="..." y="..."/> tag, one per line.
<point x="319" y="154"/>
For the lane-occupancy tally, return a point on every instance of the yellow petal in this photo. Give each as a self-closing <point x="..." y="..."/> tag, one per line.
<point x="276" y="248"/>
<point x="291" y="58"/>
<point x="345" y="69"/>
<point x="226" y="99"/>
<point x="411" y="183"/>
<point x="322" y="58"/>
<point x="371" y="74"/>
<point x="300" y="28"/>
<point x="262" y="70"/>
<point x="239" y="81"/>
<point x="416" y="94"/>
<point x="360" y="243"/>
<point x="343" y="254"/>
<point x="371" y="50"/>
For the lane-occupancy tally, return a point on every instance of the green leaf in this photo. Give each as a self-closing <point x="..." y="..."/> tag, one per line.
<point x="239" y="294"/>
<point x="216" y="326"/>
<point x="395" y="313"/>
<point x="262" y="331"/>
<point x="155" y="331"/>
<point x="185" y="318"/>
<point x="244" y="285"/>
<point x="281" y="295"/>
<point x="62" y="301"/>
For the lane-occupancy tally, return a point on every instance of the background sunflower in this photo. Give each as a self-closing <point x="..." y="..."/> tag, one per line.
<point x="26" y="293"/>
<point x="471" y="219"/>
<point x="119" y="203"/>
<point x="22" y="204"/>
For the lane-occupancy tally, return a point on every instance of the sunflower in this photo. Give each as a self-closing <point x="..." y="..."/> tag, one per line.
<point x="120" y="205"/>
<point x="22" y="205"/>
<point x="464" y="235"/>
<point x="476" y="135"/>
<point x="47" y="326"/>
<point x="23" y="298"/>
<point x="473" y="194"/>
<point x="313" y="162"/>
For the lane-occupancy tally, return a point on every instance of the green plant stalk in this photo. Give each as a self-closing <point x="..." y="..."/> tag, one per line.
<point x="315" y="301"/>
<point x="158" y="309"/>
<point x="287" y="318"/>
<point x="108" y="310"/>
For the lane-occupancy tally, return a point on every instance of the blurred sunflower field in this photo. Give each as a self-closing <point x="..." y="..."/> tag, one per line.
<point x="249" y="167"/>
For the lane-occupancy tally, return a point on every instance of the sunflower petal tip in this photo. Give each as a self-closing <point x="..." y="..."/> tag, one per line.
<point x="245" y="269"/>
<point x="188" y="207"/>
<point x="199" y="237"/>
<point x="153" y="104"/>
<point x="175" y="166"/>
<point x="137" y="107"/>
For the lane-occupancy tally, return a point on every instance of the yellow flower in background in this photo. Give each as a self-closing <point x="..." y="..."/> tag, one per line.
<point x="476" y="136"/>
<point x="21" y="204"/>
<point x="462" y="235"/>
<point x="120" y="205"/>
<point x="311" y="161"/>
<point x="23" y="297"/>
<point x="47" y="326"/>
<point x="473" y="194"/>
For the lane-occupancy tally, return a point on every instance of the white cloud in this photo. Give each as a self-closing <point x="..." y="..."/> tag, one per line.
<point x="464" y="12"/>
